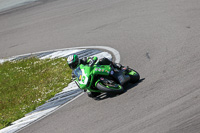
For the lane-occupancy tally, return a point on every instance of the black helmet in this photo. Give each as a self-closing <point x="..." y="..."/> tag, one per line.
<point x="73" y="61"/>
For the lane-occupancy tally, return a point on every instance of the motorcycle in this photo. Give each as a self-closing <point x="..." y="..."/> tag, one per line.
<point x="97" y="79"/>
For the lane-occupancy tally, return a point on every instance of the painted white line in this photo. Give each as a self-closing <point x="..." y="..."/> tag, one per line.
<point x="70" y="87"/>
<point x="33" y="117"/>
<point x="9" y="59"/>
<point x="36" y="116"/>
<point x="9" y="4"/>
<point x="104" y="54"/>
<point x="2" y="60"/>
<point x="112" y="50"/>
<point x="61" y="53"/>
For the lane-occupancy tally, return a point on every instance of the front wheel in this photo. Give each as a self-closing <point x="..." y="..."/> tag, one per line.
<point x="110" y="87"/>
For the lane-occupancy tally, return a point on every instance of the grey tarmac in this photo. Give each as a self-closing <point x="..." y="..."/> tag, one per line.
<point x="158" y="38"/>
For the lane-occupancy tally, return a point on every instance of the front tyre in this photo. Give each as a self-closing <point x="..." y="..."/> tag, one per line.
<point x="116" y="88"/>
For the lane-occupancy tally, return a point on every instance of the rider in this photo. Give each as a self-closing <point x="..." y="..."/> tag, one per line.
<point x="73" y="61"/>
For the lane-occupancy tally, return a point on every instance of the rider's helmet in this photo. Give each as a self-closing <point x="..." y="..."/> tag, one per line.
<point x="73" y="61"/>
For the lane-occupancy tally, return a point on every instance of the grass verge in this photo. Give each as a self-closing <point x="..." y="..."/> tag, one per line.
<point x="28" y="83"/>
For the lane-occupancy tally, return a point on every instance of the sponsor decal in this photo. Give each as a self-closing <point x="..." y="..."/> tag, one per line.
<point x="96" y="69"/>
<point x="83" y="79"/>
<point x="80" y="77"/>
<point x="101" y="78"/>
<point x="102" y="70"/>
<point x="99" y="70"/>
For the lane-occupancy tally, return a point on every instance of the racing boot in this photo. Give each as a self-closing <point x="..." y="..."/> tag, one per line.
<point x="92" y="94"/>
<point x="117" y="65"/>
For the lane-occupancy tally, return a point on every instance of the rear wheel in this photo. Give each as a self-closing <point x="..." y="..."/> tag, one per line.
<point x="134" y="75"/>
<point x="110" y="86"/>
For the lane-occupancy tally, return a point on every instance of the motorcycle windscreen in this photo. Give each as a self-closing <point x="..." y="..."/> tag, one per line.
<point x="78" y="73"/>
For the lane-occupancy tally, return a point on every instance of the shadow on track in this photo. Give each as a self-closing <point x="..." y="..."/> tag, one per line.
<point x="111" y="95"/>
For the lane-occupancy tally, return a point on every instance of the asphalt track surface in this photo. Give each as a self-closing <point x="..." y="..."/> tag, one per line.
<point x="158" y="38"/>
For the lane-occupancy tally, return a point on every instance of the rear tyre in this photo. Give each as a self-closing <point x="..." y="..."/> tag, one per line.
<point x="110" y="88"/>
<point x="134" y="75"/>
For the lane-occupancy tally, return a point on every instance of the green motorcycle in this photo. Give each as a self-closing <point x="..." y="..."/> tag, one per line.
<point x="97" y="79"/>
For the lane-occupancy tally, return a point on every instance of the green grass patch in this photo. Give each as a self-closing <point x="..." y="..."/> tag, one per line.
<point x="28" y="83"/>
